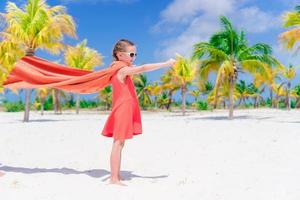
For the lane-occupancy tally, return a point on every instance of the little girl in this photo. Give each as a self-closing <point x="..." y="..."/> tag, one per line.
<point x="124" y="120"/>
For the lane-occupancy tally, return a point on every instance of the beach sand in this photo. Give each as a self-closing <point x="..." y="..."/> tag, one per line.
<point x="201" y="156"/>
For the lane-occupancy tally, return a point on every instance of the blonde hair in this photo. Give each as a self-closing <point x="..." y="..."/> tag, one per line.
<point x="120" y="46"/>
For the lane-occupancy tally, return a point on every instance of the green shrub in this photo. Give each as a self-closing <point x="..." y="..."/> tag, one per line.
<point x="88" y="104"/>
<point x="282" y="104"/>
<point x="70" y="103"/>
<point x="293" y="104"/>
<point x="201" y="105"/>
<point x="268" y="103"/>
<point x="176" y="103"/>
<point x="14" y="106"/>
<point x="48" y="104"/>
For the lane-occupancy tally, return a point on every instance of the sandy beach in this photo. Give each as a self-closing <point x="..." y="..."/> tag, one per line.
<point x="199" y="156"/>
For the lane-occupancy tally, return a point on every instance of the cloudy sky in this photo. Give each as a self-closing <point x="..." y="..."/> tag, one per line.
<point x="162" y="28"/>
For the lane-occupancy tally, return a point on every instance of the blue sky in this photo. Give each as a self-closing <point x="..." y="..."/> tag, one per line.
<point x="162" y="28"/>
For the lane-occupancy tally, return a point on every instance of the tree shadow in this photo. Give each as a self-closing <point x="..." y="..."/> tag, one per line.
<point x="42" y="120"/>
<point x="226" y="118"/>
<point x="95" y="173"/>
<point x="179" y="115"/>
<point x="290" y="122"/>
<point x="244" y="117"/>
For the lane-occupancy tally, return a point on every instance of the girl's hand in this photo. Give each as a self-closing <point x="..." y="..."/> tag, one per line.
<point x="170" y="62"/>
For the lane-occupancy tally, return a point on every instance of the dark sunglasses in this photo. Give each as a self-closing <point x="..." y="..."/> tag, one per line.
<point x="131" y="54"/>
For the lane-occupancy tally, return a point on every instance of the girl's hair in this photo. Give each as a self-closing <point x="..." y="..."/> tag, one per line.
<point x="120" y="46"/>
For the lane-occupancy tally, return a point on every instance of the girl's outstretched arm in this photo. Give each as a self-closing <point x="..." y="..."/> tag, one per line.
<point x="144" y="68"/>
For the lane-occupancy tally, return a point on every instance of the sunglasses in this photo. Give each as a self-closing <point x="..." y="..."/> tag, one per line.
<point x="131" y="54"/>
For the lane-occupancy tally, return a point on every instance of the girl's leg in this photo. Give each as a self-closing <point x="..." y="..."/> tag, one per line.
<point x="115" y="162"/>
<point x="122" y="146"/>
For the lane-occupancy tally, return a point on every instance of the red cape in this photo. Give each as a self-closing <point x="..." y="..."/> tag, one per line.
<point x="34" y="72"/>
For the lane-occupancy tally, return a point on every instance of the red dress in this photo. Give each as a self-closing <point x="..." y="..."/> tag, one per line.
<point x="124" y="120"/>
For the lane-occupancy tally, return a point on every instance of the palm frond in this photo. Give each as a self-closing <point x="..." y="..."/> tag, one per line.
<point x="291" y="19"/>
<point x="290" y="38"/>
<point x="203" y="49"/>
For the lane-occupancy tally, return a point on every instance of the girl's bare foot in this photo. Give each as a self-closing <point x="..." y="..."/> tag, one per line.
<point x="121" y="178"/>
<point x="117" y="182"/>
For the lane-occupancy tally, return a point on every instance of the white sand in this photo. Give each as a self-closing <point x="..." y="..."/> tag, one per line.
<point x="202" y="156"/>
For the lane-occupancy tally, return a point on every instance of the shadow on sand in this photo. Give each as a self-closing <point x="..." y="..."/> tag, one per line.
<point x="95" y="173"/>
<point x="46" y="120"/>
<point x="226" y="118"/>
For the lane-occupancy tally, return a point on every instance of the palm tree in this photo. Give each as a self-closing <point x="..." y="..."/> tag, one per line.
<point x="10" y="53"/>
<point x="202" y="87"/>
<point x="142" y="89"/>
<point x="227" y="52"/>
<point x="154" y="89"/>
<point x="163" y="100"/>
<point x="268" y="79"/>
<point x="57" y="97"/>
<point x="288" y="74"/>
<point x="195" y="93"/>
<point x="279" y="93"/>
<point x="106" y="96"/>
<point x="169" y="86"/>
<point x="205" y="87"/>
<point x="184" y="74"/>
<point x="296" y="94"/>
<point x="255" y="93"/>
<point x="42" y="94"/>
<point x="82" y="57"/>
<point x="56" y="100"/>
<point x="223" y="95"/>
<point x="37" y="25"/>
<point x="291" y="19"/>
<point x="242" y="91"/>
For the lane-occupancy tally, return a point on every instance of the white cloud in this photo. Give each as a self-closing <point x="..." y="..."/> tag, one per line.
<point x="198" y="30"/>
<point x="97" y="1"/>
<point x="198" y="19"/>
<point x="256" y="20"/>
<point x="183" y="11"/>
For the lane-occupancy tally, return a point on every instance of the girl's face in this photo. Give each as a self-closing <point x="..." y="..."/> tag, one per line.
<point x="129" y="55"/>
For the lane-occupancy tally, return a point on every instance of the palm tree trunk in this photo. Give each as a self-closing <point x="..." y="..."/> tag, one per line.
<point x="288" y="100"/>
<point x="29" y="52"/>
<point x="240" y="101"/>
<point x="78" y="103"/>
<point x="271" y="98"/>
<point x="155" y="102"/>
<point x="42" y="109"/>
<point x="183" y="92"/>
<point x="231" y="101"/>
<point x="297" y="103"/>
<point x="27" y="105"/>
<point x="244" y="102"/>
<point x="256" y="101"/>
<point x="56" y="102"/>
<point x="170" y="94"/>
<point x="216" y="95"/>
<point x="42" y="100"/>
